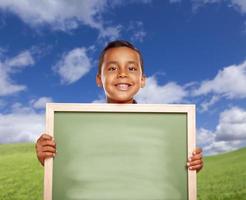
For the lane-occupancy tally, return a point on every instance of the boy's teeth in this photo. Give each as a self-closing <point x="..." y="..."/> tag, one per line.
<point x="122" y="86"/>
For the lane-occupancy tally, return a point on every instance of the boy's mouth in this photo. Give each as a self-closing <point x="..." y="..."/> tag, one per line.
<point x="123" y="86"/>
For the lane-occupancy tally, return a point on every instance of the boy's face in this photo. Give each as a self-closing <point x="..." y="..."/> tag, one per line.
<point x="121" y="75"/>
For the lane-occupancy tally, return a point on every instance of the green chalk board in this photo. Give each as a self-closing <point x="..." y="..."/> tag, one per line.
<point x="120" y="154"/>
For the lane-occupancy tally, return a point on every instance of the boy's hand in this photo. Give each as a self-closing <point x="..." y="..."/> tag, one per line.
<point x="45" y="147"/>
<point x="195" y="161"/>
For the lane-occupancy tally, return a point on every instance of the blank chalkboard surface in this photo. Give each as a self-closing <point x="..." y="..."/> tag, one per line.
<point x="119" y="153"/>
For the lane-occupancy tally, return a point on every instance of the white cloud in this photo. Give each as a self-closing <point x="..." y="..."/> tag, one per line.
<point x="10" y="66"/>
<point x="154" y="93"/>
<point x="137" y="31"/>
<point x="111" y="33"/>
<point x="21" y="60"/>
<point x="205" y="105"/>
<point x="239" y="4"/>
<point x="199" y="3"/>
<point x="139" y="36"/>
<point x="205" y="137"/>
<point x="222" y="147"/>
<point x="232" y="125"/>
<point x="86" y="12"/>
<point x="66" y="15"/>
<point x="41" y="102"/>
<point x="207" y="140"/>
<point x="229" y="135"/>
<point x="60" y="13"/>
<point x="229" y="82"/>
<point x="73" y="65"/>
<point x="22" y="124"/>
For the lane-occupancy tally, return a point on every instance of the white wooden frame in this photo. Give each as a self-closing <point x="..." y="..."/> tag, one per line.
<point x="165" y="108"/>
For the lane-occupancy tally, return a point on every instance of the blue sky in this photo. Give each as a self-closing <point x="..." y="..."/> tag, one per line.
<point x="194" y="52"/>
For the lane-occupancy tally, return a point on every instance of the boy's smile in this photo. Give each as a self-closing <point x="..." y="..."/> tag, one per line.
<point x="123" y="86"/>
<point x="121" y="75"/>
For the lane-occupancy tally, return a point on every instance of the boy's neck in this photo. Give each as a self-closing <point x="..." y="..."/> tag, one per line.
<point x="131" y="101"/>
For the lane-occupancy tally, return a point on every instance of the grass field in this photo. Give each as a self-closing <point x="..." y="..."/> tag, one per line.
<point x="223" y="177"/>
<point x="21" y="176"/>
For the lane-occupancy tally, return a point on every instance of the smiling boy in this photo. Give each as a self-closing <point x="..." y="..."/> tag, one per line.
<point x="121" y="75"/>
<point x="120" y="72"/>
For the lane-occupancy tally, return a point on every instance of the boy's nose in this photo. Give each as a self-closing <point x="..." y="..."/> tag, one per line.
<point x="122" y="74"/>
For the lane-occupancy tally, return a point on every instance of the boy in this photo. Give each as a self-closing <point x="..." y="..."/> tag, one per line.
<point x="121" y="75"/>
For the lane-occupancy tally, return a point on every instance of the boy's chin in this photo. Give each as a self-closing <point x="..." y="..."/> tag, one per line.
<point x="120" y="100"/>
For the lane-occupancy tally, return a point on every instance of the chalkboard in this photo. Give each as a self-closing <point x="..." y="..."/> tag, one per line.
<point x="125" y="152"/>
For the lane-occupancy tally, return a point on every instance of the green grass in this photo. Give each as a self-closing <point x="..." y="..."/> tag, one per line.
<point x="21" y="176"/>
<point x="223" y="177"/>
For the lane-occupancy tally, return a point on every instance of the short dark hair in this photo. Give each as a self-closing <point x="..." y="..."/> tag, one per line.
<point x="115" y="44"/>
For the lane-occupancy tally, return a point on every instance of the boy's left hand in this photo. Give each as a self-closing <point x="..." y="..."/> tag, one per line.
<point x="195" y="161"/>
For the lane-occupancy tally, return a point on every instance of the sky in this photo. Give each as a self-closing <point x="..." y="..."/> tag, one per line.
<point x="194" y="52"/>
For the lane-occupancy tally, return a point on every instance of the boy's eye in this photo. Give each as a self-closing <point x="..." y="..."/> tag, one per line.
<point x="132" y="68"/>
<point x="112" y="68"/>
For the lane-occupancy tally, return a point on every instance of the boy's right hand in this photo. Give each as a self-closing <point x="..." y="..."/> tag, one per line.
<point x="45" y="147"/>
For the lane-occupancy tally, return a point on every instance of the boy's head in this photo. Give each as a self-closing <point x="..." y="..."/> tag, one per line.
<point x="115" y="44"/>
<point x="120" y="71"/>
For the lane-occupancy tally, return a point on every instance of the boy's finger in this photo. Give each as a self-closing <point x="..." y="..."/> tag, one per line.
<point x="49" y="149"/>
<point x="48" y="143"/>
<point x="196" y="167"/>
<point x="46" y="137"/>
<point x="193" y="163"/>
<point x="195" y="157"/>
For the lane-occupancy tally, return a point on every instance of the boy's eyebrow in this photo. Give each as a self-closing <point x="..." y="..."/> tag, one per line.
<point x="115" y="62"/>
<point x="112" y="62"/>
<point x="132" y="62"/>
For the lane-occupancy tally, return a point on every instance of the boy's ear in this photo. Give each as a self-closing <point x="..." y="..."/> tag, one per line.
<point x="99" y="80"/>
<point x="143" y="81"/>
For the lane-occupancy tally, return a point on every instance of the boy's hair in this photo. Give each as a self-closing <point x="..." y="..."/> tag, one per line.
<point x="115" y="44"/>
